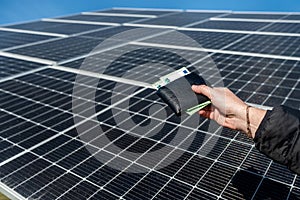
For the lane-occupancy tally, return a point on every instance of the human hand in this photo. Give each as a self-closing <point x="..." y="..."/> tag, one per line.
<point x="228" y="110"/>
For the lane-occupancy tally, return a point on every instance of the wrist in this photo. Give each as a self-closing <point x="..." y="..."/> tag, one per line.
<point x="255" y="116"/>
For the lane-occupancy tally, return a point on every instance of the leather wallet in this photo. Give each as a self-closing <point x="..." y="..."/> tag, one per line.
<point x="179" y="95"/>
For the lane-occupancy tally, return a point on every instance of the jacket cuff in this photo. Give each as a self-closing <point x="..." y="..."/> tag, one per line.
<point x="277" y="135"/>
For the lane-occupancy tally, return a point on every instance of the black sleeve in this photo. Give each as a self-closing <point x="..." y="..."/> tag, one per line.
<point x="278" y="136"/>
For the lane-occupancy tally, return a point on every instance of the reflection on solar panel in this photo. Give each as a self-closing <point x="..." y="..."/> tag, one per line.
<point x="76" y="125"/>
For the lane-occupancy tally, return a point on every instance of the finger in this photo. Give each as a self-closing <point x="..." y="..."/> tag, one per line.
<point x="203" y="89"/>
<point x="208" y="108"/>
<point x="207" y="114"/>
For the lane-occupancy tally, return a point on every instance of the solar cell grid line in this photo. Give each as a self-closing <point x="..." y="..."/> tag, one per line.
<point x="206" y="39"/>
<point x="129" y="164"/>
<point x="281" y="81"/>
<point x="250" y="80"/>
<point x="258" y="88"/>
<point x="285" y="99"/>
<point x="220" y="195"/>
<point x="236" y="41"/>
<point x="62" y="131"/>
<point x="202" y="175"/>
<point x="120" y="66"/>
<point x="65" y="173"/>
<point x="112" y="45"/>
<point x="69" y="95"/>
<point x="173" y="123"/>
<point x="241" y="164"/>
<point x="65" y="111"/>
<point x="87" y="82"/>
<point x="64" y="105"/>
<point x="236" y="171"/>
<point x="46" y="168"/>
<point x="274" y="45"/>
<point x="78" y="184"/>
<point x="242" y="39"/>
<point x="41" y="114"/>
<point x="293" y="185"/>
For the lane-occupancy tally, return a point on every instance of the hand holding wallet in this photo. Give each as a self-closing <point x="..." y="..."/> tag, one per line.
<point x="180" y="97"/>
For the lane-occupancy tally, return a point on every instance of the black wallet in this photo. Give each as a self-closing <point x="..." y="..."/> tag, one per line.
<point x="179" y="95"/>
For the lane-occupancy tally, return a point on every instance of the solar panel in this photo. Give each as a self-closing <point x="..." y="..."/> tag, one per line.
<point x="139" y="12"/>
<point x="211" y="40"/>
<point x="95" y="18"/>
<point x="56" y="27"/>
<point x="12" y="39"/>
<point x="91" y="127"/>
<point x="179" y="19"/>
<point x="59" y="50"/>
<point x="292" y="17"/>
<point x="267" y="44"/>
<point x="247" y="26"/>
<point x="256" y="16"/>
<point x="283" y="28"/>
<point x="12" y="66"/>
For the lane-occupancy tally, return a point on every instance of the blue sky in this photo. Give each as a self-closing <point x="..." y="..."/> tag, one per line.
<point x="23" y="10"/>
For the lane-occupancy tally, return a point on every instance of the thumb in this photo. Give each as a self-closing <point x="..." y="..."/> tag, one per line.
<point x="203" y="89"/>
